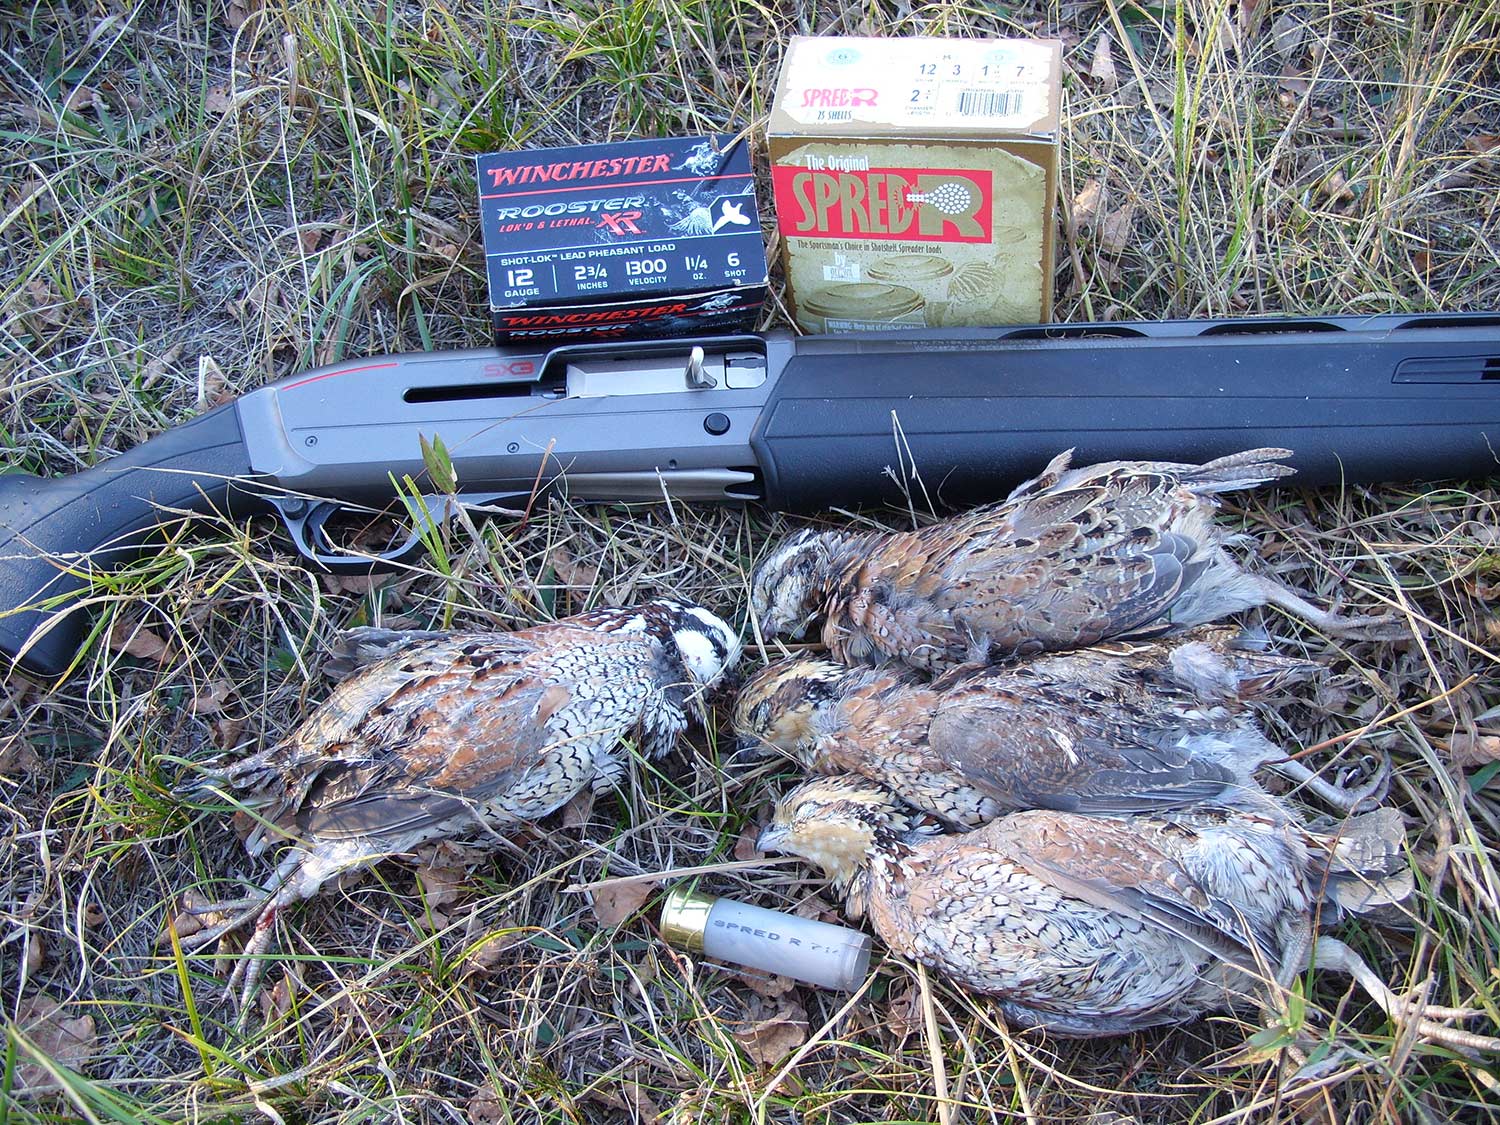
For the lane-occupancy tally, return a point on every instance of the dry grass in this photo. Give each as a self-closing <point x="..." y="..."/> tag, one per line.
<point x="277" y="185"/>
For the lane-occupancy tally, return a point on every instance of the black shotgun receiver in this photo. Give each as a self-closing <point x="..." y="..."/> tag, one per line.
<point x="797" y="423"/>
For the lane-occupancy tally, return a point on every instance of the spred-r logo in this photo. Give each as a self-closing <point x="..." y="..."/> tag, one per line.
<point x="836" y="97"/>
<point x="620" y="222"/>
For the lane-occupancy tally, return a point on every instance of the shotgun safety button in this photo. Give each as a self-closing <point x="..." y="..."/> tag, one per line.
<point x="716" y="423"/>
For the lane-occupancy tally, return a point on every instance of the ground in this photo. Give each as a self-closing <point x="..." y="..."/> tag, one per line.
<point x="198" y="199"/>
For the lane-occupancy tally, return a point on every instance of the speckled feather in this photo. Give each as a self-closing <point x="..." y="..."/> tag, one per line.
<point x="1084" y="925"/>
<point x="1124" y="727"/>
<point x="443" y="735"/>
<point x="1120" y="549"/>
<point x="494" y="722"/>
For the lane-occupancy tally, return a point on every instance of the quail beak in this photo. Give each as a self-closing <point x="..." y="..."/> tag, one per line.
<point x="727" y="687"/>
<point x="770" y="838"/>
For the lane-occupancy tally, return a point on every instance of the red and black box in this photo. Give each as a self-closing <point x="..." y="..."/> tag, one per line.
<point x="635" y="239"/>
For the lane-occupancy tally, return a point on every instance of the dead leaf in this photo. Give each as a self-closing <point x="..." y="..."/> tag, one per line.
<point x="1252" y="14"/>
<point x="440" y="886"/>
<point x="157" y="366"/>
<point x="1293" y="81"/>
<point x="489" y="954"/>
<point x="262" y="297"/>
<point x="486" y="1108"/>
<point x="1102" y="68"/>
<point x="769" y="1041"/>
<point x="744" y="847"/>
<point x="622" y="591"/>
<point x="629" y="1099"/>
<point x="1482" y="144"/>
<point x="18" y="759"/>
<point x="242" y="824"/>
<point x="576" y="813"/>
<point x="570" y="572"/>
<point x="1421" y="262"/>
<point x="1331" y="696"/>
<point x="771" y="987"/>
<point x="1114" y="231"/>
<point x="46" y="306"/>
<point x="81" y="98"/>
<point x="1087" y="205"/>
<point x="36" y="949"/>
<point x="183" y="923"/>
<point x="353" y="583"/>
<point x="819" y="909"/>
<point x="903" y="1013"/>
<point x="1287" y="34"/>
<point x="615" y="903"/>
<point x="92" y="916"/>
<point x="227" y="733"/>
<point x="66" y="1041"/>
<point x="218" y="99"/>
<point x="212" y="383"/>
<point x="1468" y="751"/>
<point x="276" y="1002"/>
<point x="308" y="238"/>
<point x="1103" y="272"/>
<point x="442" y="877"/>
<point x="1163" y="93"/>
<point x="211" y="700"/>
<point x="134" y="639"/>
<point x="1336" y="187"/>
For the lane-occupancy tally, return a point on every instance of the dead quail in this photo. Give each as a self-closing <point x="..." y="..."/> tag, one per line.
<point x="1120" y="549"/>
<point x="449" y="734"/>
<point x="1088" y="925"/>
<point x="1124" y="727"/>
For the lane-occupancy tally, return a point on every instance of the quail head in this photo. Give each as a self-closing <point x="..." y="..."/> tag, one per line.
<point x="1119" y="549"/>
<point x="1087" y="925"/>
<point x="1124" y="727"/>
<point x="443" y="735"/>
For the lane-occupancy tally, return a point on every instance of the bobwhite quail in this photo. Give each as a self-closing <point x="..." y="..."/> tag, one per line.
<point x="1076" y="556"/>
<point x="1087" y="925"/>
<point x="1124" y="727"/>
<point x="447" y="734"/>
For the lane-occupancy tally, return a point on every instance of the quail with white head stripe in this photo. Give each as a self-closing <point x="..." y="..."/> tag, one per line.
<point x="444" y="735"/>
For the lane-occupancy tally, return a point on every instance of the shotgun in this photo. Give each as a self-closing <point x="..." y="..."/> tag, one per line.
<point x="941" y="416"/>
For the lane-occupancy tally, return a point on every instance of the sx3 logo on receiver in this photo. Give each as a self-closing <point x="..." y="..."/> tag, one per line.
<point x="620" y="222"/>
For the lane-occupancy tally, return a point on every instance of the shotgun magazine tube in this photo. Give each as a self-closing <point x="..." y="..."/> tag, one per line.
<point x="741" y="934"/>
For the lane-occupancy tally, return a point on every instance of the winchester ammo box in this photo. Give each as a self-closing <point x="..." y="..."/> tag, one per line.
<point x="914" y="180"/>
<point x="641" y="238"/>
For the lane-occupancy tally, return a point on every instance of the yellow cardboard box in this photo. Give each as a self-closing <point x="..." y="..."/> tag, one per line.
<point x="914" y="180"/>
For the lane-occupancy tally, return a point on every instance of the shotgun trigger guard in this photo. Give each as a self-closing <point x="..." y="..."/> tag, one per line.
<point x="307" y="519"/>
<point x="307" y="523"/>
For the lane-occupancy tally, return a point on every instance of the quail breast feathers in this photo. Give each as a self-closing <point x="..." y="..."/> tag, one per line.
<point x="447" y="734"/>
<point x="1124" y="727"/>
<point x="1085" y="925"/>
<point x="1073" y="557"/>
